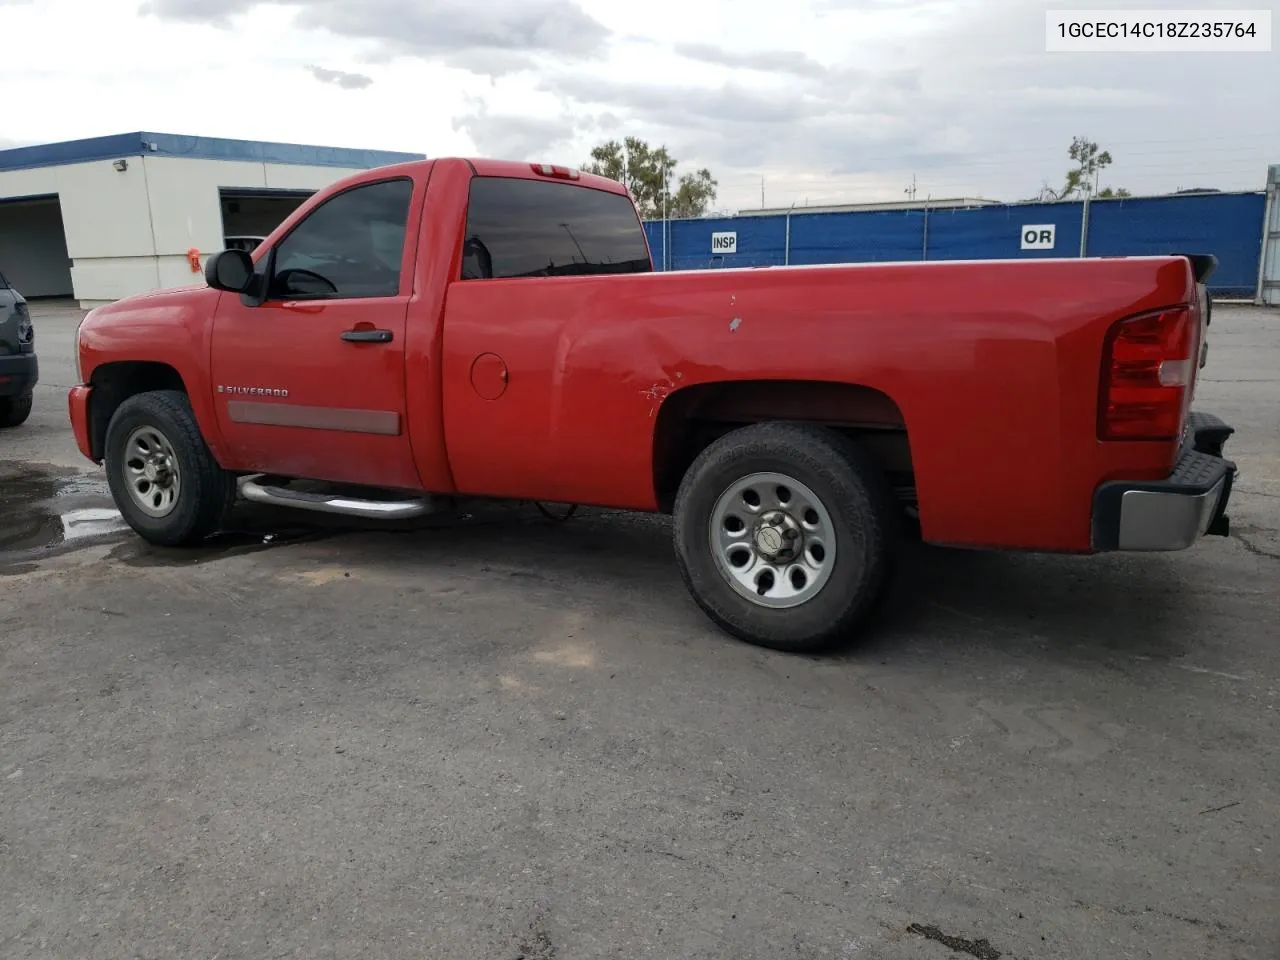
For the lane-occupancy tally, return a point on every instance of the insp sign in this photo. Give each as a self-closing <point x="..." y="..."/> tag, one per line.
<point x="724" y="242"/>
<point x="1038" y="236"/>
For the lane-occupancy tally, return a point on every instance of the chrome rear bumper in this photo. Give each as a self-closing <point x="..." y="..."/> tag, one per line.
<point x="1174" y="513"/>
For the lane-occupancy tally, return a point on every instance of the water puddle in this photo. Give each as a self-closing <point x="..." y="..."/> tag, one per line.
<point x="47" y="510"/>
<point x="44" y="508"/>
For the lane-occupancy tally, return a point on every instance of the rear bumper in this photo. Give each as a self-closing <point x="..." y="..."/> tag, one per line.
<point x="78" y="409"/>
<point x="18" y="374"/>
<point x="1174" y="513"/>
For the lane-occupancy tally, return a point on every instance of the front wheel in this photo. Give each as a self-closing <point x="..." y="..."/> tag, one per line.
<point x="163" y="478"/>
<point x="785" y="535"/>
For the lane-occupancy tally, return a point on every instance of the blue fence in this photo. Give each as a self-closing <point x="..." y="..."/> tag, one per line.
<point x="1228" y="225"/>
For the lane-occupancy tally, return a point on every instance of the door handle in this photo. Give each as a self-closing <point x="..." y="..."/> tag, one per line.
<point x="367" y="336"/>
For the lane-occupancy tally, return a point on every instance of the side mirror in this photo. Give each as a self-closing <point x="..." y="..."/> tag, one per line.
<point x="229" y="270"/>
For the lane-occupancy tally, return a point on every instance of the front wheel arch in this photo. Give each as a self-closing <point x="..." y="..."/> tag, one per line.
<point x="114" y="383"/>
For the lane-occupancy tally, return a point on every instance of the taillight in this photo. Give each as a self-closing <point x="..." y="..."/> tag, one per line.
<point x="1147" y="368"/>
<point x="26" y="332"/>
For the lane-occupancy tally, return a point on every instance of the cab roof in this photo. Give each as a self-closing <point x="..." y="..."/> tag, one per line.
<point x="488" y="167"/>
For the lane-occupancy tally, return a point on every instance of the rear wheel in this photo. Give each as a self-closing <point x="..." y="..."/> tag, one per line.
<point x="15" y="410"/>
<point x="785" y="535"/>
<point x="163" y="478"/>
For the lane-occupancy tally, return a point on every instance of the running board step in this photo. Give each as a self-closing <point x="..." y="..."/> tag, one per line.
<point x="256" y="490"/>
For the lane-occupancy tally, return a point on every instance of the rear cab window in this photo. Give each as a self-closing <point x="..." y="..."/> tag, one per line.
<point x="536" y="228"/>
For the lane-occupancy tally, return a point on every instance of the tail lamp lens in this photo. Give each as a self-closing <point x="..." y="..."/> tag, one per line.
<point x="1147" y="369"/>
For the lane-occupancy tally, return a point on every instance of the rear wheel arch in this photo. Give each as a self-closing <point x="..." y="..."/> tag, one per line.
<point x="692" y="418"/>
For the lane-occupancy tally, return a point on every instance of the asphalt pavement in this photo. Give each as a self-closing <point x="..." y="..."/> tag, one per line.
<point x="503" y="737"/>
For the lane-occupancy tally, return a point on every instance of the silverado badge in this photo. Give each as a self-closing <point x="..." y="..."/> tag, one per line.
<point x="253" y="391"/>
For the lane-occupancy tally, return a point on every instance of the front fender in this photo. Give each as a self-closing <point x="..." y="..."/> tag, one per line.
<point x="168" y="328"/>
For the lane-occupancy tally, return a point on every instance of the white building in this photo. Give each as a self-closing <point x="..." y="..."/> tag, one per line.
<point x="104" y="218"/>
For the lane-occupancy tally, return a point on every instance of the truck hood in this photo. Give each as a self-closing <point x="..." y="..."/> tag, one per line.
<point x="154" y="306"/>
<point x="161" y="326"/>
<point x="150" y="298"/>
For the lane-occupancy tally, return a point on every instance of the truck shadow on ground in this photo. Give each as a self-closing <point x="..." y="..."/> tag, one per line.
<point x="1098" y="608"/>
<point x="1077" y="607"/>
<point x="1090" y="607"/>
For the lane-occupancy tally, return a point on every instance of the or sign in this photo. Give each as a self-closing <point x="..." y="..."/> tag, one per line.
<point x="1038" y="236"/>
<point x="724" y="242"/>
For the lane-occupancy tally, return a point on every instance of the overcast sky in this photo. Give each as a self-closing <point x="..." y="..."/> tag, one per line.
<point x="825" y="100"/>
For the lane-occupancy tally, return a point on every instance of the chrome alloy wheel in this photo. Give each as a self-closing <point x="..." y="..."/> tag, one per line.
<point x="773" y="540"/>
<point x="151" y="472"/>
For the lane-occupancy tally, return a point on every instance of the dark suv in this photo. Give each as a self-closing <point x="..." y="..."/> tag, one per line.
<point x="18" y="367"/>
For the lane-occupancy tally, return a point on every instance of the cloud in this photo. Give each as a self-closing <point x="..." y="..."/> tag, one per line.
<point x="835" y="99"/>
<point x="196" y="11"/>
<point x="512" y="137"/>
<point x="340" y="78"/>
<point x="1076" y="97"/>
<point x="493" y="39"/>
<point x="770" y="61"/>
<point x="960" y="92"/>
<point x="823" y="127"/>
<point x="884" y="6"/>
<point x="680" y="106"/>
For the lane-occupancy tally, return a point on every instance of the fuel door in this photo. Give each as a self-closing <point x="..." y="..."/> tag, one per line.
<point x="489" y="376"/>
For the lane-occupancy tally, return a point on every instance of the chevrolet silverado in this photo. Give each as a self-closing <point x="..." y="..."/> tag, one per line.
<point x="453" y="328"/>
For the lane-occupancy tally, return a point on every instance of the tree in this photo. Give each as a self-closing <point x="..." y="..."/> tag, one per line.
<point x="649" y="175"/>
<point x="1082" y="179"/>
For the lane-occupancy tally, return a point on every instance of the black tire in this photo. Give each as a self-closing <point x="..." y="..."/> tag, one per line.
<point x="865" y="526"/>
<point x="15" y="410"/>
<point x="206" y="492"/>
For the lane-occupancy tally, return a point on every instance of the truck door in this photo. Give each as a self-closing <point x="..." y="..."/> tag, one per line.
<point x="311" y="382"/>
<point x="530" y="368"/>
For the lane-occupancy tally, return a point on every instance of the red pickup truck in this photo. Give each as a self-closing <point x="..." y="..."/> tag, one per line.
<point x="459" y="328"/>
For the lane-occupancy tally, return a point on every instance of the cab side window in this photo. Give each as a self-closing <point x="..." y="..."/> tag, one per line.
<point x="532" y="228"/>
<point x="349" y="247"/>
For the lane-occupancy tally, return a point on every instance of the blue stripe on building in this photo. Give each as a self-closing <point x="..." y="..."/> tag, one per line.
<point x="197" y="148"/>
